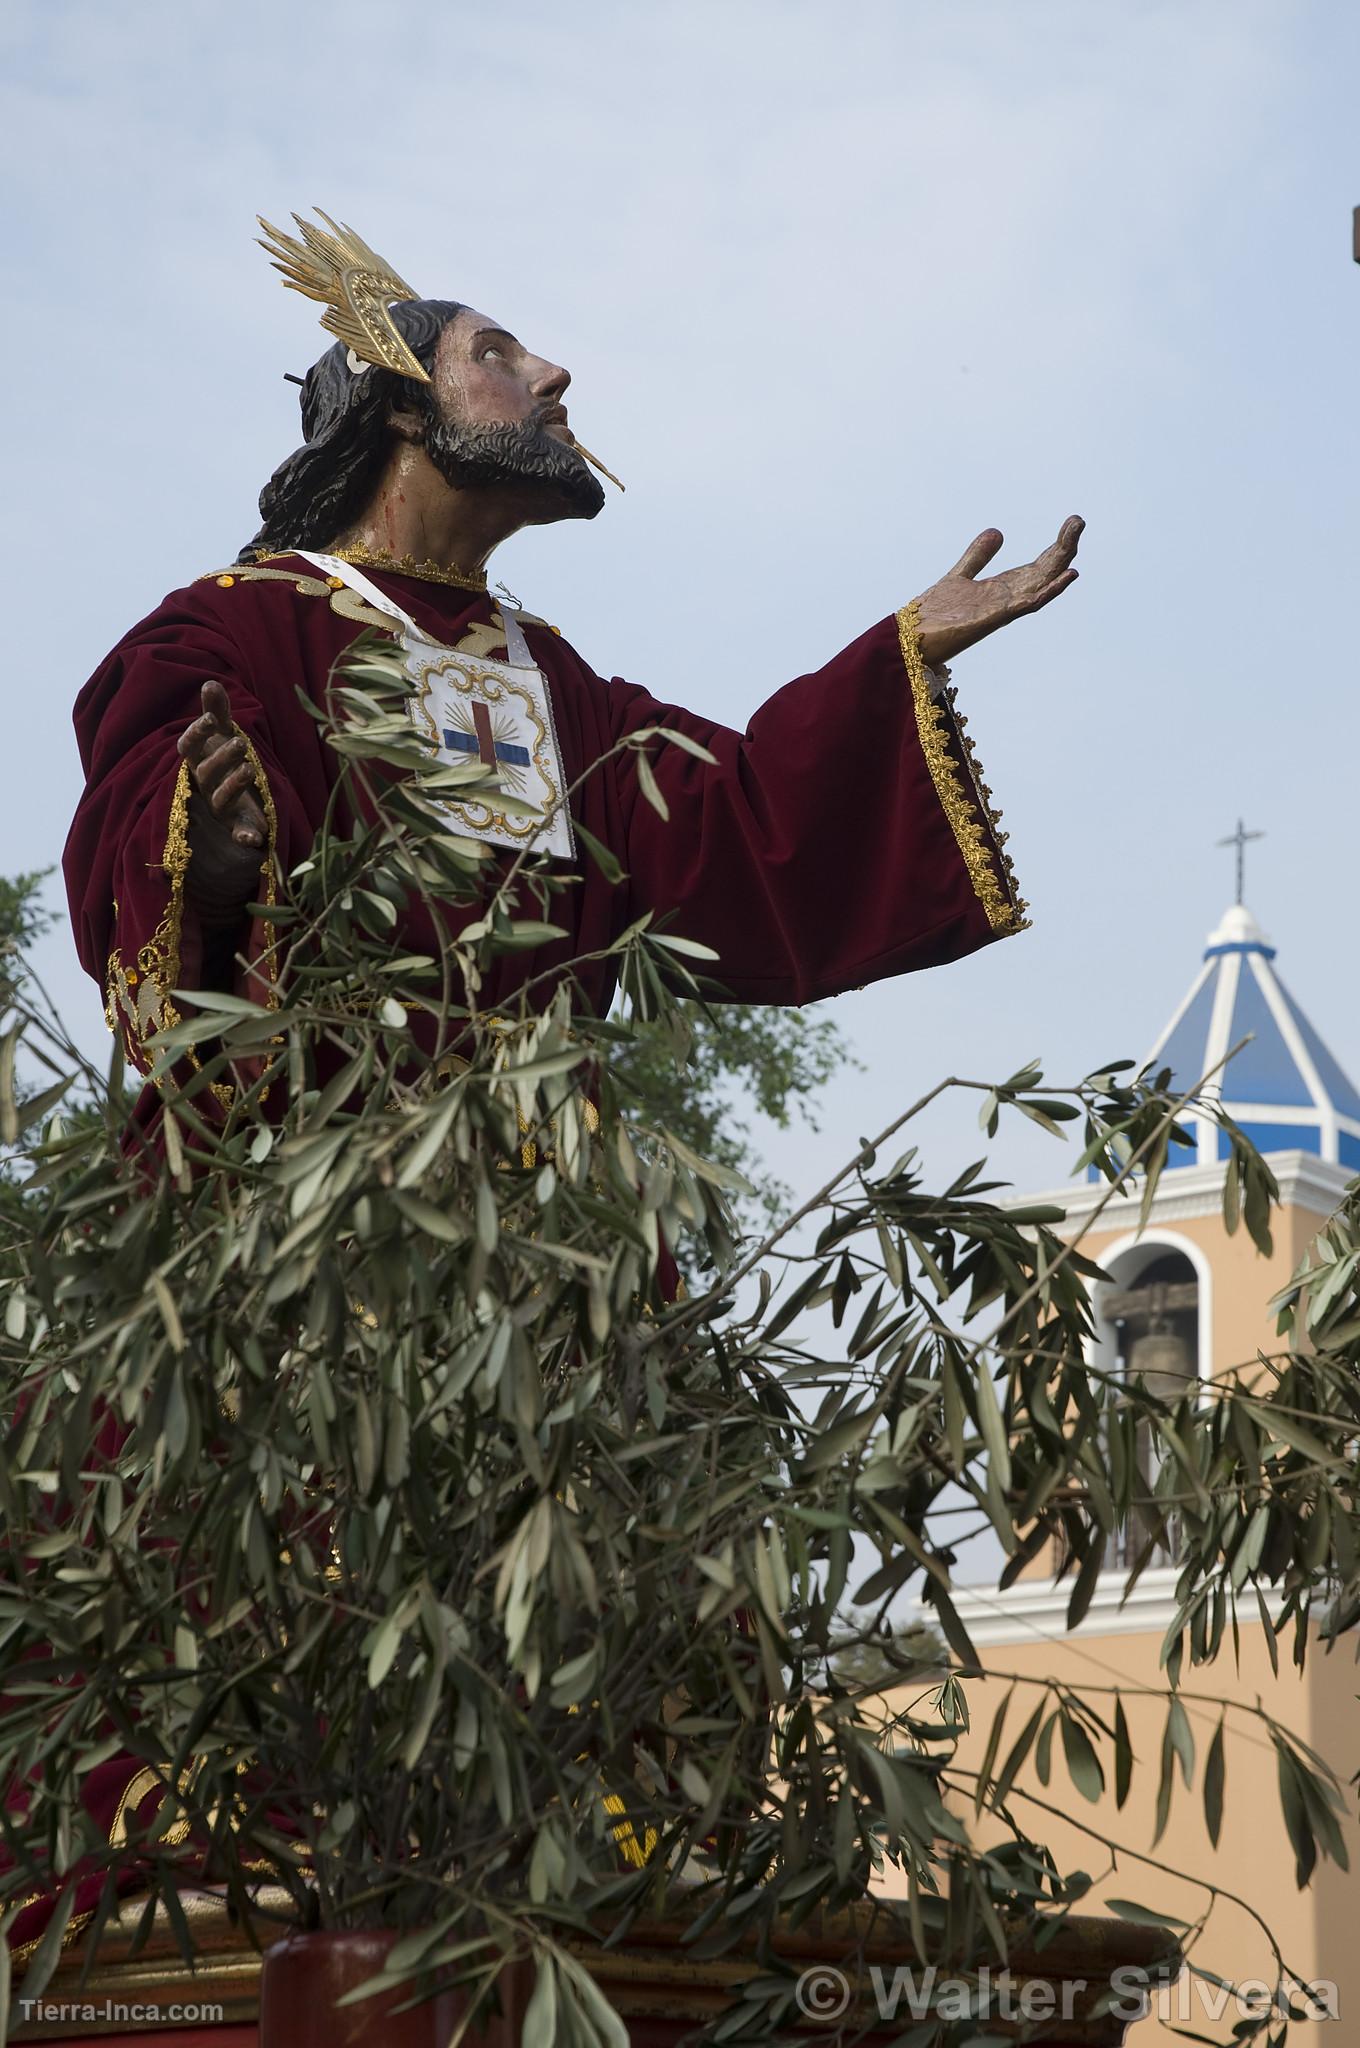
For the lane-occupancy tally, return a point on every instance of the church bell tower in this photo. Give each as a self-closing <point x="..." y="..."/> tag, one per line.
<point x="1183" y="1298"/>
<point x="1182" y="1301"/>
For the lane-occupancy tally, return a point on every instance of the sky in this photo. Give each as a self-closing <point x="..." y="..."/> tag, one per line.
<point x="838" y="287"/>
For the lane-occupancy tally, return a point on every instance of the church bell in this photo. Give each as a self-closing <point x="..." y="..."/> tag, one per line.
<point x="1162" y="1361"/>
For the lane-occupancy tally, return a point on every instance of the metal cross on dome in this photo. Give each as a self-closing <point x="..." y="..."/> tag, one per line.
<point x="1239" y="839"/>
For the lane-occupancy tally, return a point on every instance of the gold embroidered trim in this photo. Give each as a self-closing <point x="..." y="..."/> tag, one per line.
<point x="479" y="638"/>
<point x="141" y="996"/>
<point x="983" y="845"/>
<point x="345" y="602"/>
<point x="400" y="565"/>
<point x="140" y="1787"/>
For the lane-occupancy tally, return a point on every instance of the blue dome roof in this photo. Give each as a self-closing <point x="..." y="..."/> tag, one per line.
<point x="1283" y="1087"/>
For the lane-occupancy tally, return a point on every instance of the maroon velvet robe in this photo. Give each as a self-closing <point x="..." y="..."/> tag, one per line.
<point x="842" y="838"/>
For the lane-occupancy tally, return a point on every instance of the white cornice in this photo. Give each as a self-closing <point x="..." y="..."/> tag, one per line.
<point x="1306" y="1182"/>
<point x="1033" y="1611"/>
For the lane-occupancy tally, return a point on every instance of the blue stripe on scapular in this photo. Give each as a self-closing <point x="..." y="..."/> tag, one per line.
<point x="467" y="743"/>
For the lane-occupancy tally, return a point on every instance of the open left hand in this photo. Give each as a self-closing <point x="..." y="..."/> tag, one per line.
<point x="963" y="608"/>
<point x="227" y="831"/>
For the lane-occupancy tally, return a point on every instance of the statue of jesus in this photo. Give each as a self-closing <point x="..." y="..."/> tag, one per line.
<point x="844" y="836"/>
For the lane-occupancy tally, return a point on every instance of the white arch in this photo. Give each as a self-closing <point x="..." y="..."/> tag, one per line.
<point x="1156" y="1238"/>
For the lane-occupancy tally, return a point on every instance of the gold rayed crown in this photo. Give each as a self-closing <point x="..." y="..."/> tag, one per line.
<point x="355" y="286"/>
<point x="358" y="289"/>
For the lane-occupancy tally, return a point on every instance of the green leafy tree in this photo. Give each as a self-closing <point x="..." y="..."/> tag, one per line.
<point x="25" y="1099"/>
<point x="23" y="921"/>
<point x="364" y="1486"/>
<point x="694" y="1068"/>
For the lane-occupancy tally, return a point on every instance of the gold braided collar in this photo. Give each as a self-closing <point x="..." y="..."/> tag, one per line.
<point x="400" y="565"/>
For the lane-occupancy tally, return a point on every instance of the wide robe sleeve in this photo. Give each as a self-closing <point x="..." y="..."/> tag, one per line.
<point x="127" y="854"/>
<point x="845" y="836"/>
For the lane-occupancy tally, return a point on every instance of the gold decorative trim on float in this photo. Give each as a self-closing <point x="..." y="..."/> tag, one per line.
<point x="653" y="1975"/>
<point x="130" y="1966"/>
<point x="146" y="1781"/>
<point x="982" y="845"/>
<point x="24" y="1951"/>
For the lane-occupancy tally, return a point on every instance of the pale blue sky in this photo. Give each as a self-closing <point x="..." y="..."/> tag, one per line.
<point x="838" y="287"/>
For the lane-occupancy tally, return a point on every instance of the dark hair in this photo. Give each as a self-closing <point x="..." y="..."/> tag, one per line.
<point x="325" y="484"/>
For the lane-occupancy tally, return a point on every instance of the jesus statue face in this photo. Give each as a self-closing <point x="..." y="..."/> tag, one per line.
<point x="489" y="377"/>
<point x="497" y="419"/>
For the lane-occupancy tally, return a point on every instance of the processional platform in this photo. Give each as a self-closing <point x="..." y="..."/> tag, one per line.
<point x="662" y="1984"/>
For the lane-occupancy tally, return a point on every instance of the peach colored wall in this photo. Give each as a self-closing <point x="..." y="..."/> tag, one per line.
<point x="1316" y="1928"/>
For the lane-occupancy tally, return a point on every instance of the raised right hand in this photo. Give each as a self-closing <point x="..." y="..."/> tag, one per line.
<point x="965" y="606"/>
<point x="226" y="825"/>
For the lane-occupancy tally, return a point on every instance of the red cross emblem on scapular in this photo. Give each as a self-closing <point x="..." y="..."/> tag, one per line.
<point x="482" y="741"/>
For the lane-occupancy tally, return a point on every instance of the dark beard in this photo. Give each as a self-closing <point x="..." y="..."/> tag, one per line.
<point x="518" y="454"/>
